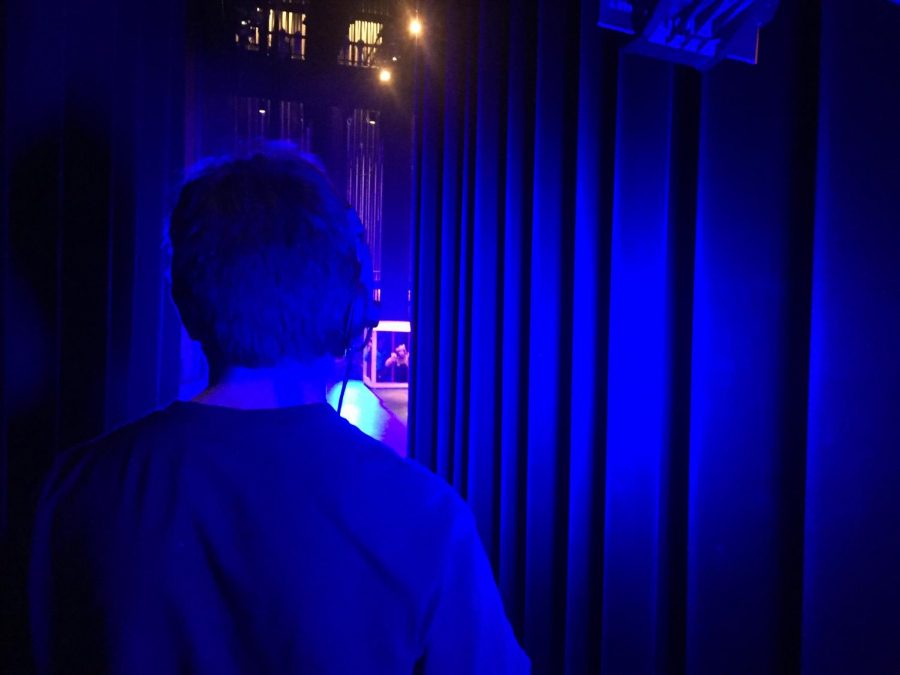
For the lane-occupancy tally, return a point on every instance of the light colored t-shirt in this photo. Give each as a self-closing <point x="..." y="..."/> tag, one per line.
<point x="212" y="540"/>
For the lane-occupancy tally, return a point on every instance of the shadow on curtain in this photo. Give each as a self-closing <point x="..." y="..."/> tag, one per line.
<point x="656" y="320"/>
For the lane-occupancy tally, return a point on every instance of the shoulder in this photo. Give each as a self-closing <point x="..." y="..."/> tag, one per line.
<point x="81" y="465"/>
<point x="401" y="481"/>
<point x="393" y="494"/>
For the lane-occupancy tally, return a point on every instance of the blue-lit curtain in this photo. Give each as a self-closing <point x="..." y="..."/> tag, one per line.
<point x="657" y="318"/>
<point x="92" y="112"/>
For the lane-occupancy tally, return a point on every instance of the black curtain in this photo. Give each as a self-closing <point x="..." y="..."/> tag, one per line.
<point x="92" y="153"/>
<point x="656" y="317"/>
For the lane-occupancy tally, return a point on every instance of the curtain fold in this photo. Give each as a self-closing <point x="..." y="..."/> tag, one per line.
<point x="851" y="512"/>
<point x="516" y="283"/>
<point x="591" y="241"/>
<point x="653" y="312"/>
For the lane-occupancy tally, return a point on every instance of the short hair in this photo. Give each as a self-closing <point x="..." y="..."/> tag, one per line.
<point x="265" y="258"/>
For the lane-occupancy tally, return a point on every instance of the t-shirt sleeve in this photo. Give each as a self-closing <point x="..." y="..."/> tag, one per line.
<point x="59" y="633"/>
<point x="62" y="607"/>
<point x="469" y="631"/>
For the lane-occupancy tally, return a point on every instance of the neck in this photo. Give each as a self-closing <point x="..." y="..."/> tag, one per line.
<point x="290" y="383"/>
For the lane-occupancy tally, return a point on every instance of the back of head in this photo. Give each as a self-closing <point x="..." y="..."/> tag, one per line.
<point x="268" y="261"/>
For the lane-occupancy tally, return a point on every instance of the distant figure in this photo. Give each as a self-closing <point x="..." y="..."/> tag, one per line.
<point x="252" y="529"/>
<point x="297" y="45"/>
<point x="327" y="22"/>
<point x="243" y="35"/>
<point x="282" y="43"/>
<point x="399" y="361"/>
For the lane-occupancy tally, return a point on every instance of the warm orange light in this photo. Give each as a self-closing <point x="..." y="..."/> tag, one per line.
<point x="415" y="27"/>
<point x="384" y="75"/>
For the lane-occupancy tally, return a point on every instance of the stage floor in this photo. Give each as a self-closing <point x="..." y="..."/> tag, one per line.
<point x="380" y="413"/>
<point x="395" y="400"/>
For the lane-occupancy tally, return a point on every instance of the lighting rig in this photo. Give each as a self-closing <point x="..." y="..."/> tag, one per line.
<point x="697" y="33"/>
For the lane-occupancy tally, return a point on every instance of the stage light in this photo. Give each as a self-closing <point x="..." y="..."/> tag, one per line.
<point x="384" y="75"/>
<point x="394" y="58"/>
<point x="698" y="34"/>
<point x="415" y="27"/>
<point x="262" y="111"/>
<point x="372" y="122"/>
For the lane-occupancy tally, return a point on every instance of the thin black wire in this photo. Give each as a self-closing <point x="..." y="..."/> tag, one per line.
<point x="347" y="369"/>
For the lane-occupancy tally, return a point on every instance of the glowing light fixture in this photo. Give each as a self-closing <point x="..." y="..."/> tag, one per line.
<point x="262" y="111"/>
<point x="415" y="26"/>
<point x="384" y="75"/>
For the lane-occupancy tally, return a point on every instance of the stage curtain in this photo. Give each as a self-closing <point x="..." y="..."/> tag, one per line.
<point x="656" y="318"/>
<point x="91" y="155"/>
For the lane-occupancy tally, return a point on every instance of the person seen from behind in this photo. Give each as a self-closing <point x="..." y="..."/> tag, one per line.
<point x="252" y="529"/>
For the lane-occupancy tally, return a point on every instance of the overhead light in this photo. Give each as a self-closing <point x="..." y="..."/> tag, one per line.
<point x="394" y="58"/>
<point x="262" y="111"/>
<point x="384" y="75"/>
<point x="415" y="26"/>
<point x="372" y="122"/>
